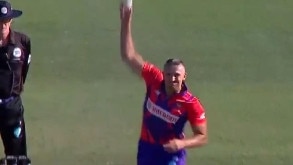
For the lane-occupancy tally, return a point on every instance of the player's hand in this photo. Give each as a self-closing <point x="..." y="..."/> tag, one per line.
<point x="174" y="145"/>
<point x="125" y="13"/>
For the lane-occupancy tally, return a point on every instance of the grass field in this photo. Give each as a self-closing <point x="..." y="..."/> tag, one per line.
<point x="83" y="106"/>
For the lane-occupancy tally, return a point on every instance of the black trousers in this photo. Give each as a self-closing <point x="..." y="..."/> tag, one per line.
<point x="12" y="127"/>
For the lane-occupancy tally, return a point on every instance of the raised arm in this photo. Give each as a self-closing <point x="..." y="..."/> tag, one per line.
<point x="128" y="53"/>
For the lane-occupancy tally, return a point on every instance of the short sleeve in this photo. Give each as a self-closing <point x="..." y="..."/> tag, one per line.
<point x="151" y="74"/>
<point x="196" y="113"/>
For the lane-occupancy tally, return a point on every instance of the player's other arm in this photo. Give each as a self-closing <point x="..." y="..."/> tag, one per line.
<point x="198" y="122"/>
<point x="127" y="49"/>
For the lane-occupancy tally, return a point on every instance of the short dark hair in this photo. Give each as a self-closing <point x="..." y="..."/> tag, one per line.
<point x="173" y="61"/>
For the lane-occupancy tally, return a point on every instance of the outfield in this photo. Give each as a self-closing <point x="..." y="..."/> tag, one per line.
<point x="83" y="106"/>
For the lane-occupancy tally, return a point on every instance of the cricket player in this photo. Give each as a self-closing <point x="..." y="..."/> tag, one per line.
<point x="167" y="107"/>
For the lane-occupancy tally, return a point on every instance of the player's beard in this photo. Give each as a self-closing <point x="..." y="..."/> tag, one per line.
<point x="175" y="87"/>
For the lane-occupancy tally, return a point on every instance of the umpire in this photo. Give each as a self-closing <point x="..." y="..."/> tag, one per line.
<point x="15" y="57"/>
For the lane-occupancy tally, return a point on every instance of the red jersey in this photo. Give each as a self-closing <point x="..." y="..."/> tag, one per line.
<point x="164" y="118"/>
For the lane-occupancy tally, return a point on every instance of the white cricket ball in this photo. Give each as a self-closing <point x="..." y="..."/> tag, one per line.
<point x="127" y="3"/>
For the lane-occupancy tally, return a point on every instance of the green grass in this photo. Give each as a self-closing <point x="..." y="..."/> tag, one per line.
<point x="83" y="106"/>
